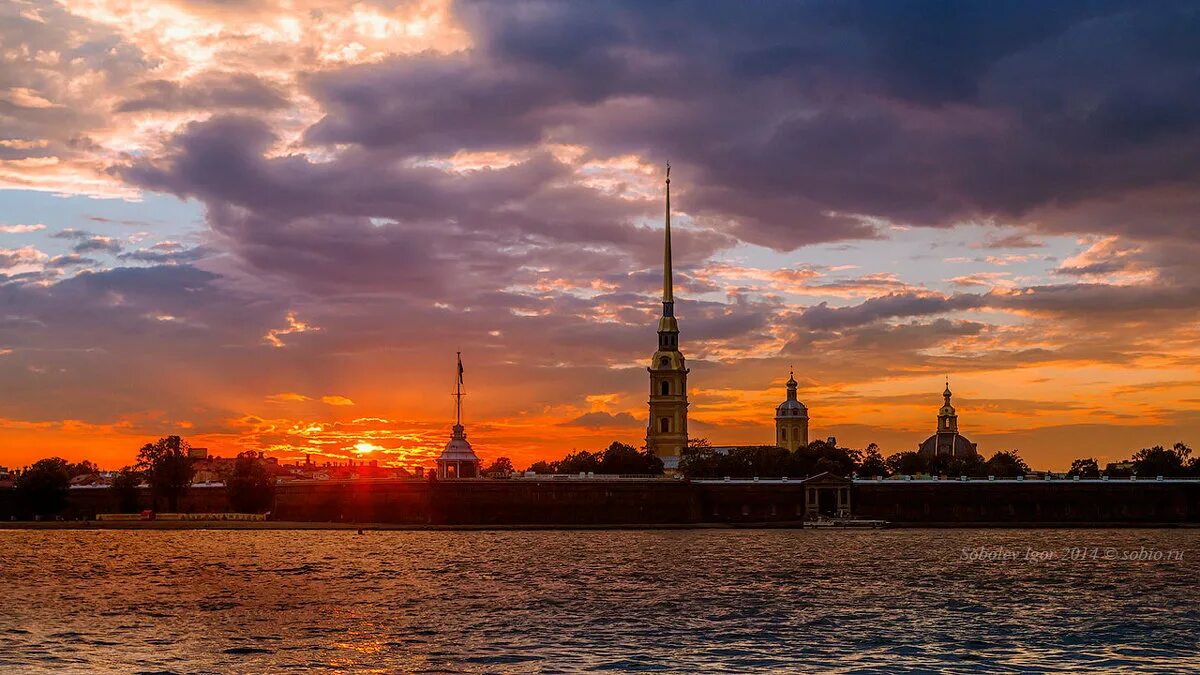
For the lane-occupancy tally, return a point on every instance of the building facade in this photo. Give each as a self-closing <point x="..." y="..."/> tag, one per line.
<point x="791" y="420"/>
<point x="666" y="430"/>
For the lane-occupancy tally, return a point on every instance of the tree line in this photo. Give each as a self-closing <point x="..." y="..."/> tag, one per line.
<point x="617" y="458"/>
<point x="164" y="466"/>
<point x="701" y="460"/>
<point x="1173" y="462"/>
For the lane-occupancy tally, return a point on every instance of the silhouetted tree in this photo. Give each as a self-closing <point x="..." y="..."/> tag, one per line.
<point x="1084" y="468"/>
<point x="1006" y="464"/>
<point x="1159" y="461"/>
<point x="957" y="465"/>
<point x="84" y="468"/>
<point x="873" y="463"/>
<point x="697" y="461"/>
<point x="167" y="468"/>
<point x="619" y="458"/>
<point x="502" y="467"/>
<point x="908" y="463"/>
<point x="821" y="457"/>
<point x="250" y="487"/>
<point x="541" y="467"/>
<point x="125" y="489"/>
<point x="42" y="488"/>
<point x="578" y="462"/>
<point x="768" y="461"/>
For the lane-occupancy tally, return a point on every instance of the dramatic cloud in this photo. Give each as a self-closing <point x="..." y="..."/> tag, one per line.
<point x="215" y="90"/>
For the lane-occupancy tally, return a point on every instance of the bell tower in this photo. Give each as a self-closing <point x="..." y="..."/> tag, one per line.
<point x="791" y="419"/>
<point x="947" y="417"/>
<point x="666" y="432"/>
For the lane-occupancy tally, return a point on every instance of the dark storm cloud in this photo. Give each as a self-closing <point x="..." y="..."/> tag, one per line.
<point x="894" y="305"/>
<point x="602" y="420"/>
<point x="793" y="119"/>
<point x="1079" y="301"/>
<point x="365" y="220"/>
<point x="793" y="124"/>
<point x="210" y="91"/>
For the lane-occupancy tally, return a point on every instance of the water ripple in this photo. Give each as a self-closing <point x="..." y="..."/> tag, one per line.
<point x="545" y="601"/>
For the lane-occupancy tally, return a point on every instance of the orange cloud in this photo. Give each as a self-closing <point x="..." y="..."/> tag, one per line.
<point x="294" y="325"/>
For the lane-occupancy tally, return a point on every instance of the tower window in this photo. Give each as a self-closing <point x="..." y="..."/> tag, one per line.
<point x="664" y="362"/>
<point x="783" y="434"/>
<point x="664" y="424"/>
<point x="666" y="388"/>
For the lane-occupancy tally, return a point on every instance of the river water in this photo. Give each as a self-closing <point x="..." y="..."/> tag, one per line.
<point x="674" y="600"/>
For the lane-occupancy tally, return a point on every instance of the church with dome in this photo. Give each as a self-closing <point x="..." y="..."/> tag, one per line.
<point x="666" y="428"/>
<point x="946" y="440"/>
<point x="791" y="419"/>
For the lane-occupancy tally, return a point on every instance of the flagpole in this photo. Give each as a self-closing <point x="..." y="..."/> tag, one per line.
<point x="458" y="392"/>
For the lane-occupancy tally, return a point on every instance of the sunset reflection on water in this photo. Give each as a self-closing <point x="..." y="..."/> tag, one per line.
<point x="687" y="600"/>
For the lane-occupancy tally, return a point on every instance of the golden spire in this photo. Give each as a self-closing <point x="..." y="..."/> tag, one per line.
<point x="668" y="295"/>
<point x="668" y="328"/>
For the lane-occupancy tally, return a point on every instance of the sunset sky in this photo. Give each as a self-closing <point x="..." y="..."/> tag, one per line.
<point x="269" y="224"/>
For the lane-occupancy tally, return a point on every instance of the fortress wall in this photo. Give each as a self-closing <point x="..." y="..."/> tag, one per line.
<point x="750" y="502"/>
<point x="490" y="502"/>
<point x="482" y="502"/>
<point x="87" y="502"/>
<point x="1032" y="501"/>
<point x="574" y="502"/>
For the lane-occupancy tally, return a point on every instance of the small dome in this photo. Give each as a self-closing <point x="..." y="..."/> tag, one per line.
<point x="791" y="408"/>
<point x="458" y="449"/>
<point x="955" y="445"/>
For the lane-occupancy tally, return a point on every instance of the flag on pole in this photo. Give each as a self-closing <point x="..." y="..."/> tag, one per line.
<point x="460" y="368"/>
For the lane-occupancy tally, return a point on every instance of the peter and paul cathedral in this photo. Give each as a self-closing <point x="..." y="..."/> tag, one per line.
<point x="666" y="432"/>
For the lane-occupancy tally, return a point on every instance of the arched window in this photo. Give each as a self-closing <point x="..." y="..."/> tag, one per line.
<point x="664" y="424"/>
<point x="783" y="434"/>
<point x="666" y="388"/>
